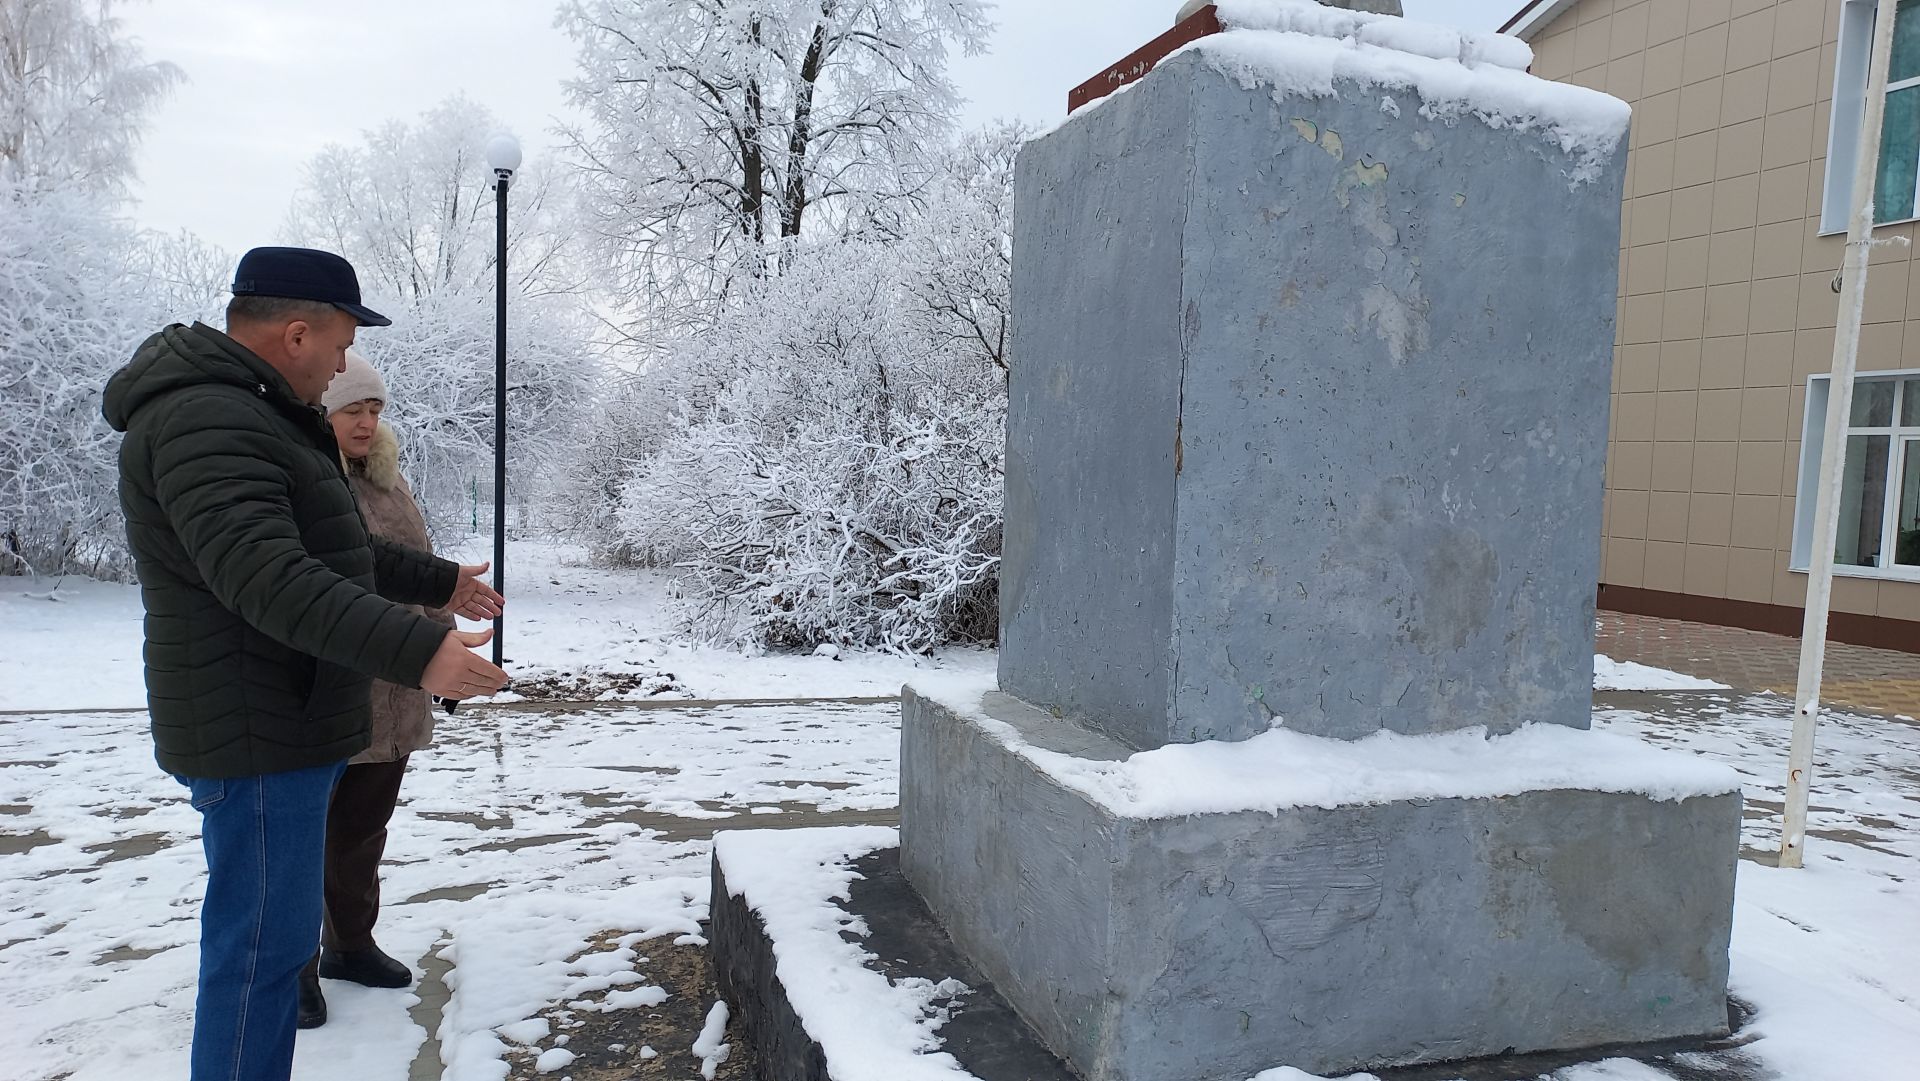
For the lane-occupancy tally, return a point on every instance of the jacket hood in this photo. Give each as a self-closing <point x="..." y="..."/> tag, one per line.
<point x="381" y="466"/>
<point x="180" y="357"/>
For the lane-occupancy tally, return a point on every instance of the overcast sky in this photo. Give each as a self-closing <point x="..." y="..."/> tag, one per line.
<point x="270" y="83"/>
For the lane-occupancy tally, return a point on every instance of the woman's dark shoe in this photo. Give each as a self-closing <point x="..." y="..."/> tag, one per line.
<point x="368" y="968"/>
<point x="313" y="1004"/>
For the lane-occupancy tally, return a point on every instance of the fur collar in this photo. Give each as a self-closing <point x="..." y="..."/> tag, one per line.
<point x="382" y="463"/>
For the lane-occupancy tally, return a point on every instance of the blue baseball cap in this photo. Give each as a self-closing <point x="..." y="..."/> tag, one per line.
<point x="304" y="274"/>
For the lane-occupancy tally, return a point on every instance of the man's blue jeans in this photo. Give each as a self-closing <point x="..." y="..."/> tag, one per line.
<point x="265" y="840"/>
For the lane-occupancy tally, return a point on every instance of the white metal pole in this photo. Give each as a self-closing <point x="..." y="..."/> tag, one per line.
<point x="1826" y="515"/>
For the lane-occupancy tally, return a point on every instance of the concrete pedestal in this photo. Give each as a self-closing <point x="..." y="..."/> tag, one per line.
<point x="1308" y="417"/>
<point x="1312" y="339"/>
<point x="1214" y="946"/>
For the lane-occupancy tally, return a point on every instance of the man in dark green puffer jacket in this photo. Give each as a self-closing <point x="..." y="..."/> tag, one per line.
<point x="269" y="612"/>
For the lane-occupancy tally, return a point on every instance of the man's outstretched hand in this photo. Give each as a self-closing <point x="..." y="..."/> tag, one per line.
<point x="458" y="673"/>
<point x="473" y="597"/>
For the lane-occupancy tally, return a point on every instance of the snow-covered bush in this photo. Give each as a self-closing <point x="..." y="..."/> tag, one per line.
<point x="825" y="463"/>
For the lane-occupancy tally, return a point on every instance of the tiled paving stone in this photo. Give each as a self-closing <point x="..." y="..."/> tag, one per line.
<point x="1857" y="677"/>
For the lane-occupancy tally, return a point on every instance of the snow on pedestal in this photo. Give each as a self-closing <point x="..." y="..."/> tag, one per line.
<point x="793" y="883"/>
<point x="1213" y="910"/>
<point x="1367" y="30"/>
<point x="1280" y="770"/>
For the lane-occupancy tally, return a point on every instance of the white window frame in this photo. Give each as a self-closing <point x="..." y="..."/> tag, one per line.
<point x="1849" y="108"/>
<point x="1812" y="438"/>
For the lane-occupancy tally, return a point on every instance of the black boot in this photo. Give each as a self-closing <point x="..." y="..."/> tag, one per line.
<point x="369" y="968"/>
<point x="313" y="1004"/>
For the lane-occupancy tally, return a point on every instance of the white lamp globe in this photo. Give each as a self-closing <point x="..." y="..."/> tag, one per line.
<point x="503" y="155"/>
<point x="1188" y="9"/>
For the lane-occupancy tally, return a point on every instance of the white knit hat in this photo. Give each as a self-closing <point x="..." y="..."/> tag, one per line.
<point x="358" y="383"/>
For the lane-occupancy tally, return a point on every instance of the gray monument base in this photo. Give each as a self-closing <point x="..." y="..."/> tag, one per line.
<point x="1213" y="946"/>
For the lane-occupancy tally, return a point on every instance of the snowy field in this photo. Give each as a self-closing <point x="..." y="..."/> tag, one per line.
<point x="531" y="830"/>
<point x="77" y="646"/>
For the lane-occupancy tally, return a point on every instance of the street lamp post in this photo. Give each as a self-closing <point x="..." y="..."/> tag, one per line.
<point x="503" y="157"/>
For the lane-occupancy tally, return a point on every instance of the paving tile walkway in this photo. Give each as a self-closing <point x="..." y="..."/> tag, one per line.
<point x="1859" y="677"/>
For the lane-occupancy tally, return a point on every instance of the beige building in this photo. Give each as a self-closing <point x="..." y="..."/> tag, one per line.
<point x="1746" y="116"/>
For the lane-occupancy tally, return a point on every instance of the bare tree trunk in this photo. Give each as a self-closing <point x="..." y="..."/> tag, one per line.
<point x="793" y="207"/>
<point x="753" y="163"/>
<point x="450" y="228"/>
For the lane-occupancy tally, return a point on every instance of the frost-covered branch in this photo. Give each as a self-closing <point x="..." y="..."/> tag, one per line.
<point x="824" y="464"/>
<point x="718" y="133"/>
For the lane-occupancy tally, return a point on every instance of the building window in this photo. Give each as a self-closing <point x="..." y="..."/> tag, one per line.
<point x="1897" y="187"/>
<point x="1879" y="535"/>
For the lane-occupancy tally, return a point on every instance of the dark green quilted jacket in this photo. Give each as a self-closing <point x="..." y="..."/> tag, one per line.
<point x="266" y="622"/>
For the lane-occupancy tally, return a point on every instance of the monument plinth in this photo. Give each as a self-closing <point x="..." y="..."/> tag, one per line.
<point x="1310" y="420"/>
<point x="1313" y="333"/>
<point x="1288" y="760"/>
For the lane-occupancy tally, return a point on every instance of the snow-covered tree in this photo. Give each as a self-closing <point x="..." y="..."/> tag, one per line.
<point x="183" y="278"/>
<point x="717" y="129"/>
<point x="74" y="96"/>
<point x="78" y="287"/>
<point x="412" y="206"/>
<point x="78" y="290"/>
<point x="825" y="463"/>
<point x="65" y="325"/>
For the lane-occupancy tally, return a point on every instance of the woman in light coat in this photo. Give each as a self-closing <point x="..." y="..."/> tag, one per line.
<point x="364" y="800"/>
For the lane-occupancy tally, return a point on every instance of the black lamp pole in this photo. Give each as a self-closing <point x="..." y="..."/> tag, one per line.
<point x="500" y="415"/>
<point x="503" y="154"/>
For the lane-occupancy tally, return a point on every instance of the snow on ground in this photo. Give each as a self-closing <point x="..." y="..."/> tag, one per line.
<point x="869" y="1028"/>
<point x="1826" y="954"/>
<point x="1612" y="675"/>
<point x="567" y="623"/>
<point x="566" y="617"/>
<point x="69" y="643"/>
<point x="523" y="835"/>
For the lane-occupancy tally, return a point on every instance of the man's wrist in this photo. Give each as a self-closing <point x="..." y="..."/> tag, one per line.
<point x="446" y="579"/>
